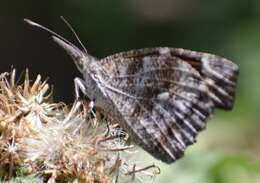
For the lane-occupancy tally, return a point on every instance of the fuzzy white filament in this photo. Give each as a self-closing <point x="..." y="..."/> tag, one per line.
<point x="56" y="142"/>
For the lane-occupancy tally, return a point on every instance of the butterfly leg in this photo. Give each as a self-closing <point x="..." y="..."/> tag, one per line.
<point x="80" y="87"/>
<point x="92" y="108"/>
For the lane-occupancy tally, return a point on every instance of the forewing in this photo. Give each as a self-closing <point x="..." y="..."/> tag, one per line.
<point x="164" y="99"/>
<point x="219" y="73"/>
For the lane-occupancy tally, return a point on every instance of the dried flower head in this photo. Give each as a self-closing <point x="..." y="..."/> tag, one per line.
<point x="50" y="142"/>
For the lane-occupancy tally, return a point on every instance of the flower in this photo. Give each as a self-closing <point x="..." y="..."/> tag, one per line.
<point x="53" y="142"/>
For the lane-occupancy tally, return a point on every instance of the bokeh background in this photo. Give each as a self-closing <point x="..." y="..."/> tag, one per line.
<point x="228" y="151"/>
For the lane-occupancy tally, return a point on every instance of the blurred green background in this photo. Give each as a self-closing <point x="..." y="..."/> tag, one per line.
<point x="228" y="151"/>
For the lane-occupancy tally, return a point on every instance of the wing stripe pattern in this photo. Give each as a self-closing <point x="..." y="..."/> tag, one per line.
<point x="185" y="134"/>
<point x="165" y="95"/>
<point x="219" y="73"/>
<point x="166" y="145"/>
<point x="167" y="130"/>
<point x="163" y="139"/>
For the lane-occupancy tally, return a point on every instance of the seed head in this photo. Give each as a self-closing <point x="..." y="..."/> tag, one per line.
<point x="53" y="142"/>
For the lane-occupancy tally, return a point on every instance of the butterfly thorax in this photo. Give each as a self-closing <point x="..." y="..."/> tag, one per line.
<point x="94" y="84"/>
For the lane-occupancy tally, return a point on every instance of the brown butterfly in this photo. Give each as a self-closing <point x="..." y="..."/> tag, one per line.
<point x="161" y="96"/>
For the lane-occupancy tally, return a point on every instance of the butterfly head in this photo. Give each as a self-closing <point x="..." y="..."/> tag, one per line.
<point x="80" y="58"/>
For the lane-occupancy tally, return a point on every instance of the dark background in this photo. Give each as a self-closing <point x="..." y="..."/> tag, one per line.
<point x="228" y="151"/>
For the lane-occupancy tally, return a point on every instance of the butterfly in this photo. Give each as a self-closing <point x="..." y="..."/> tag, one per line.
<point x="162" y="96"/>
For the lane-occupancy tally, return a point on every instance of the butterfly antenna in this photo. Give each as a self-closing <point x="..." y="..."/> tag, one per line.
<point x="48" y="30"/>
<point x="74" y="33"/>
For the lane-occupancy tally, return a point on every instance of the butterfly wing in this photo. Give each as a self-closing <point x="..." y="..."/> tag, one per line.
<point x="165" y="95"/>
